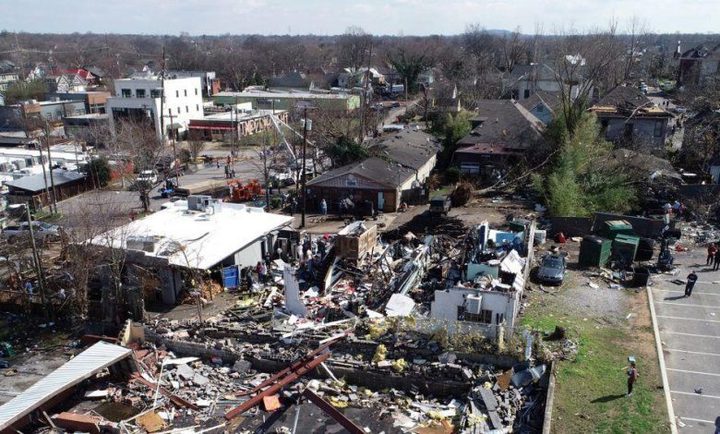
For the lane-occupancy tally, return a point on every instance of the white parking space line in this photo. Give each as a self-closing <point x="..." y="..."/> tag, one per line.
<point x="695" y="394"/>
<point x="687" y="304"/>
<point x="683" y="291"/>
<point x="700" y="353"/>
<point x="692" y="372"/>
<point x="689" y="319"/>
<point x="689" y="334"/>
<point x="692" y="419"/>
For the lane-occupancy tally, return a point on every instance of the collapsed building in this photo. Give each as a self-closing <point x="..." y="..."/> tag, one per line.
<point x="345" y="337"/>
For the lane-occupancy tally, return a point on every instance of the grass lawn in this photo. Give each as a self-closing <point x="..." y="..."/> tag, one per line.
<point x="590" y="392"/>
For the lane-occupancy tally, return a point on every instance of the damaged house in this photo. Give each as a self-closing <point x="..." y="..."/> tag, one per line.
<point x="198" y="235"/>
<point x="502" y="131"/>
<point x="396" y="173"/>
<point x="628" y="118"/>
<point x="486" y="297"/>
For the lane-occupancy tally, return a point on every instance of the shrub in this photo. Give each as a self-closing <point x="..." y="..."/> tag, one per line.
<point x="452" y="175"/>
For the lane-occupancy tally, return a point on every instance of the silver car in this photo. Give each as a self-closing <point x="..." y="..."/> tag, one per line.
<point x="551" y="270"/>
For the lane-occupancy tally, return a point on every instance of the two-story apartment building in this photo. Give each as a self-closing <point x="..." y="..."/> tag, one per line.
<point x="141" y="98"/>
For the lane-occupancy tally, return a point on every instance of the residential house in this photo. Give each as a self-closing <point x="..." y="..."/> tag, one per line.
<point x="629" y="119"/>
<point x="288" y="100"/>
<point x="64" y="83"/>
<point x="199" y="234"/>
<point x="503" y="130"/>
<point x="543" y="105"/>
<point x="397" y="172"/>
<point x="524" y="80"/>
<point x="487" y="298"/>
<point x="698" y="64"/>
<point x="8" y="75"/>
<point x="34" y="188"/>
<point x="140" y="98"/>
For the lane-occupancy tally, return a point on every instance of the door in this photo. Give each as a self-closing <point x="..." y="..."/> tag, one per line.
<point x="381" y="201"/>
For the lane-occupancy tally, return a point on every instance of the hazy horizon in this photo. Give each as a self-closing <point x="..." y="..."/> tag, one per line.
<point x="332" y="17"/>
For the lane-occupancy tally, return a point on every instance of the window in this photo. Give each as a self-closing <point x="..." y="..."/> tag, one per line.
<point x="185" y="92"/>
<point x="197" y="107"/>
<point x="177" y="94"/>
<point x="156" y="93"/>
<point x="196" y="91"/>
<point x="628" y="132"/>
<point x="126" y="93"/>
<point x="658" y="129"/>
<point x="485" y="316"/>
<point x="540" y="108"/>
<point x="139" y="93"/>
<point x="526" y="94"/>
<point x="179" y="110"/>
<point x="187" y="109"/>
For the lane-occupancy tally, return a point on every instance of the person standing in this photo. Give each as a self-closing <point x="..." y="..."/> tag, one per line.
<point x="323" y="207"/>
<point x="632" y="374"/>
<point x="691" y="279"/>
<point x="716" y="263"/>
<point x="712" y="251"/>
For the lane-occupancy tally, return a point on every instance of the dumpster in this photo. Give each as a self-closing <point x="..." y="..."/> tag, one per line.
<point x="624" y="247"/>
<point x="613" y="228"/>
<point x="594" y="251"/>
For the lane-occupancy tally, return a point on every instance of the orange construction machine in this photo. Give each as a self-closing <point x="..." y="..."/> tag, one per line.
<point x="240" y="192"/>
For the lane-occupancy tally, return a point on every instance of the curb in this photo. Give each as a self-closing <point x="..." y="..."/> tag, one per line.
<point x="661" y="360"/>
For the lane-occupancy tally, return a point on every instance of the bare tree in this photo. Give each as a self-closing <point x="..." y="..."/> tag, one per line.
<point x="353" y="47"/>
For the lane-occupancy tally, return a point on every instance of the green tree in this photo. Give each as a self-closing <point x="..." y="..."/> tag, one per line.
<point x="409" y="66"/>
<point x="345" y="151"/>
<point x="452" y="128"/>
<point x="24" y="90"/>
<point x="99" y="171"/>
<point x="580" y="182"/>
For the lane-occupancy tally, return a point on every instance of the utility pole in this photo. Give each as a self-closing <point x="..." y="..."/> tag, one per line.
<point x="52" y="179"/>
<point x="172" y="140"/>
<point x="38" y="264"/>
<point x="162" y="98"/>
<point x="306" y="127"/>
<point x="42" y="164"/>
<point x="364" y="100"/>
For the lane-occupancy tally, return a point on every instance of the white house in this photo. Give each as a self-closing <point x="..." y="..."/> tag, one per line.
<point x="140" y="97"/>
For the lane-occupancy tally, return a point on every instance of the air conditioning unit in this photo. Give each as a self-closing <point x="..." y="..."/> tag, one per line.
<point x="473" y="304"/>
<point x="142" y="243"/>
<point x="198" y="202"/>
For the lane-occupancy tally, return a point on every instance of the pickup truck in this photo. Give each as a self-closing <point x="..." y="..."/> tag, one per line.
<point x="41" y="230"/>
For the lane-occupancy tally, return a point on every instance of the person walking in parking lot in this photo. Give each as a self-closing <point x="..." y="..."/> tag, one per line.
<point x="712" y="252"/>
<point x="691" y="279"/>
<point x="716" y="262"/>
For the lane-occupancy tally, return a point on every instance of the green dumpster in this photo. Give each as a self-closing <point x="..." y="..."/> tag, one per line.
<point x="625" y="247"/>
<point x="613" y="228"/>
<point x="594" y="251"/>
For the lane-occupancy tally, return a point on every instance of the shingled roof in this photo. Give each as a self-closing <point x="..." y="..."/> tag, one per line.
<point x="627" y="100"/>
<point x="504" y="122"/>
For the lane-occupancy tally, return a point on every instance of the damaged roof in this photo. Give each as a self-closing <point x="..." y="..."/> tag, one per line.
<point x="504" y="122"/>
<point x="551" y="100"/>
<point x="627" y="101"/>
<point x="83" y="366"/>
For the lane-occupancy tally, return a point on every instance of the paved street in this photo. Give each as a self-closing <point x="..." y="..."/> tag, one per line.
<point x="690" y="333"/>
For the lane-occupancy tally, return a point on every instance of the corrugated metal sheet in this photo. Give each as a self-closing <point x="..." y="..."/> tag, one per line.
<point x="83" y="366"/>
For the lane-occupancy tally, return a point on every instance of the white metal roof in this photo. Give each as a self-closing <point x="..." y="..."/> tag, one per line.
<point x="83" y="366"/>
<point x="194" y="239"/>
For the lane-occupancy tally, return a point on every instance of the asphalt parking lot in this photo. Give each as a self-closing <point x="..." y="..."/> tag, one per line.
<point x="690" y="335"/>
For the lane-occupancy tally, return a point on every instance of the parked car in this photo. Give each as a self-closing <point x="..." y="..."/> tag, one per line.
<point x="551" y="270"/>
<point x="149" y="176"/>
<point x="41" y="231"/>
<point x="440" y="205"/>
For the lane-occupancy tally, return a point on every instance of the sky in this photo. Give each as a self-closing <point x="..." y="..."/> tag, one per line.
<point x="328" y="17"/>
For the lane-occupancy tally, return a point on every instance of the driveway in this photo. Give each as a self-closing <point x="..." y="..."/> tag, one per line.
<point x="690" y="335"/>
